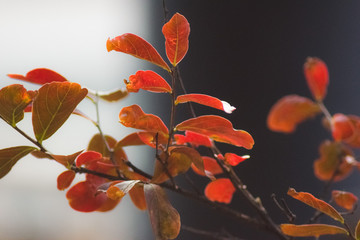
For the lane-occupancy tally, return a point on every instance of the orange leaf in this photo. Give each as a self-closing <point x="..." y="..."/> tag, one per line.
<point x="65" y="179"/>
<point x="132" y="139"/>
<point x="149" y="138"/>
<point x="346" y="128"/>
<point x="119" y="190"/>
<point x="147" y="80"/>
<point x="176" y="33"/>
<point x="136" y="46"/>
<point x="10" y="156"/>
<point x="66" y="160"/>
<point x="138" y="197"/>
<point x="40" y="76"/>
<point x="234" y="159"/>
<point x="343" y="199"/>
<point x="219" y="129"/>
<point x="220" y="190"/>
<point x="110" y="96"/>
<point x="210" y="166"/>
<point x="333" y="157"/>
<point x="289" y="111"/>
<point x="13" y="101"/>
<point x="308" y="230"/>
<point x="205" y="100"/>
<point x="178" y="162"/>
<point x="53" y="105"/>
<point x="87" y="158"/>
<point x="194" y="139"/>
<point x="134" y="117"/>
<point x="164" y="218"/>
<point x="316" y="203"/>
<point x="317" y="77"/>
<point x="97" y="144"/>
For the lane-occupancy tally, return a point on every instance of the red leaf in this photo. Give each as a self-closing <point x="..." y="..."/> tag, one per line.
<point x="210" y="166"/>
<point x="206" y="100"/>
<point x="220" y="190"/>
<point x="346" y="128"/>
<point x="147" y="80"/>
<point x="136" y="46"/>
<point x="316" y="203"/>
<point x="176" y="33"/>
<point x="194" y="139"/>
<point x="317" y="77"/>
<point x="343" y="199"/>
<point x="289" y="111"/>
<point x="219" y="129"/>
<point x="13" y="101"/>
<point x="87" y="158"/>
<point x="234" y="159"/>
<point x="65" y="179"/>
<point x="333" y="157"/>
<point x="53" y="105"/>
<point x="150" y="138"/>
<point x="134" y="117"/>
<point x="40" y="76"/>
<point x="309" y="230"/>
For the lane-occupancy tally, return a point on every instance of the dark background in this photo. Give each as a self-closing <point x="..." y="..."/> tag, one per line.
<point x="251" y="53"/>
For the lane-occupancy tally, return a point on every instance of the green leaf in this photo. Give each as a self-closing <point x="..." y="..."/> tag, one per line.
<point x="13" y="100"/>
<point x="309" y="230"/>
<point x="53" y="105"/>
<point x="165" y="220"/>
<point x="10" y="156"/>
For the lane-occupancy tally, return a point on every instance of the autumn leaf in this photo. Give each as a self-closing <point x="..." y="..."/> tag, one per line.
<point x="233" y="159"/>
<point x="334" y="157"/>
<point x="346" y="128"/>
<point x="110" y="96"/>
<point x="210" y="167"/>
<point x="13" y="101"/>
<point x="289" y="111"/>
<point x="311" y="230"/>
<point x="10" y="156"/>
<point x="179" y="161"/>
<point x="357" y="231"/>
<point x="65" y="179"/>
<point x="316" y="203"/>
<point x="344" y="199"/>
<point x="119" y="190"/>
<point x="40" y="76"/>
<point x="137" y="196"/>
<point x="220" y="190"/>
<point x="176" y="33"/>
<point x="317" y="77"/>
<point x="66" y="160"/>
<point x="195" y="139"/>
<point x="136" y="46"/>
<point x="149" y="81"/>
<point x="98" y="144"/>
<point x="164" y="218"/>
<point x="53" y="105"/>
<point x="205" y="100"/>
<point x="134" y="117"/>
<point x="217" y="128"/>
<point x="87" y="158"/>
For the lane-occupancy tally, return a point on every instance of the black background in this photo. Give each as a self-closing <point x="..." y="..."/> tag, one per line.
<point x="251" y="53"/>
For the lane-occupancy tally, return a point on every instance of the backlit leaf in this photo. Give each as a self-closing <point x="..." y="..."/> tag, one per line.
<point x="334" y="157"/>
<point x="97" y="144"/>
<point x="220" y="190"/>
<point x="317" y="77"/>
<point x="137" y="196"/>
<point x="178" y="162"/>
<point x="219" y="129"/>
<point x="40" y="76"/>
<point x="147" y="80"/>
<point x="53" y="105"/>
<point x="136" y="46"/>
<point x="205" y="100"/>
<point x="176" y="33"/>
<point x="346" y="128"/>
<point x="234" y="159"/>
<point x="343" y="199"/>
<point x="165" y="220"/>
<point x="151" y="139"/>
<point x="13" y="101"/>
<point x="316" y="203"/>
<point x="194" y="139"/>
<point x="132" y="139"/>
<point x="134" y="117"/>
<point x="210" y="166"/>
<point x="119" y="190"/>
<point x="10" y="156"/>
<point x="87" y="158"/>
<point x="311" y="230"/>
<point x="65" y="179"/>
<point x="289" y="111"/>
